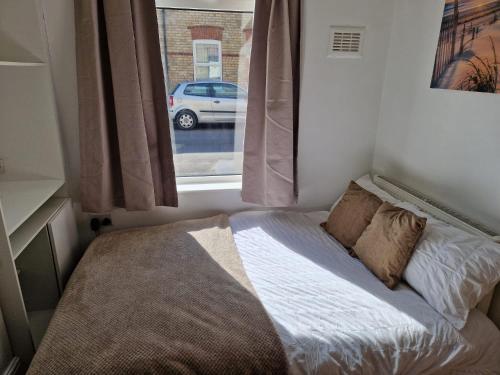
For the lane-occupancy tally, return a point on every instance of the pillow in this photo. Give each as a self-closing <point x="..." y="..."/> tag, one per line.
<point x="352" y="214"/>
<point x="387" y="244"/>
<point x="453" y="270"/>
<point x="366" y="183"/>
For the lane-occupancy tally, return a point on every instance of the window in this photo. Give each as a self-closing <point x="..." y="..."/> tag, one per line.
<point x="207" y="59"/>
<point x="200" y="89"/>
<point x="206" y="55"/>
<point x="226" y="91"/>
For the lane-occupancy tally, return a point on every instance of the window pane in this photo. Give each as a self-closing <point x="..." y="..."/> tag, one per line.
<point x="202" y="72"/>
<point x="197" y="90"/>
<point x="212" y="72"/>
<point x="206" y="53"/>
<point x="207" y="129"/>
<point x="225" y="91"/>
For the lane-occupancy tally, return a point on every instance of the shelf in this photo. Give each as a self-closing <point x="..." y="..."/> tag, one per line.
<point x="21" y="63"/>
<point x="39" y="321"/>
<point x="17" y="52"/>
<point x="31" y="227"/>
<point x="20" y="199"/>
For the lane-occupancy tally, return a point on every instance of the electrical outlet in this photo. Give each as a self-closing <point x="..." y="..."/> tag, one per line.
<point x="98" y="222"/>
<point x="2" y="166"/>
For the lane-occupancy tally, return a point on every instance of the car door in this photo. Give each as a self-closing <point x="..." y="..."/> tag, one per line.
<point x="224" y="104"/>
<point x="197" y="98"/>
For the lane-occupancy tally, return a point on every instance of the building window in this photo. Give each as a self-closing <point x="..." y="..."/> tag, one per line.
<point x="206" y="57"/>
<point x="207" y="60"/>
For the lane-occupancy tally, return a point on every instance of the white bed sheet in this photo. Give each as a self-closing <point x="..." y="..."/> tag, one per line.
<point x="335" y="317"/>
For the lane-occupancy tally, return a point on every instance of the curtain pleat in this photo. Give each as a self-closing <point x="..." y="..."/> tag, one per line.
<point x="126" y="155"/>
<point x="271" y="134"/>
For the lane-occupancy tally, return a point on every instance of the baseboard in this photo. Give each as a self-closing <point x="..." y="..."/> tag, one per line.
<point x="12" y="367"/>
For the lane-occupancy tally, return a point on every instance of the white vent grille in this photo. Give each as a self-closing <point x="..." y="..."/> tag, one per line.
<point x="346" y="42"/>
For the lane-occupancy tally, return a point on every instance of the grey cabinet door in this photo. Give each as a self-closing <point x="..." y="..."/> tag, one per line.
<point x="5" y="349"/>
<point x="65" y="243"/>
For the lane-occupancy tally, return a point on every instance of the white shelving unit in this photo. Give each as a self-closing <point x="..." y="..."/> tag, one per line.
<point x="20" y="63"/>
<point x="21" y="199"/>
<point x="32" y="202"/>
<point x="31" y="227"/>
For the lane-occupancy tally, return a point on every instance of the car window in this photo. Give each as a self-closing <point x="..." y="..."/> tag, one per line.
<point x="224" y="90"/>
<point x="199" y="89"/>
<point x="175" y="89"/>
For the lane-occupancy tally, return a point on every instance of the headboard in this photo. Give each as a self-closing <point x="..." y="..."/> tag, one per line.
<point x="490" y="305"/>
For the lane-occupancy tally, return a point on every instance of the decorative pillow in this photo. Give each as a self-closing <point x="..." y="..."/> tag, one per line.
<point x="452" y="269"/>
<point x="387" y="244"/>
<point x="366" y="183"/>
<point x="352" y="214"/>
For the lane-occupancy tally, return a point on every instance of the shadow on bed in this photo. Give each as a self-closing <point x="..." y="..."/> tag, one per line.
<point x="168" y="299"/>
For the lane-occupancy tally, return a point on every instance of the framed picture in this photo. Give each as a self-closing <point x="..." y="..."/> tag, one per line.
<point x="468" y="51"/>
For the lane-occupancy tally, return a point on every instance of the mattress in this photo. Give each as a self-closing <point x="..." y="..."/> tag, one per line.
<point x="335" y="317"/>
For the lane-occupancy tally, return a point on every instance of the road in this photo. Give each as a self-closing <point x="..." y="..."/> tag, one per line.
<point x="205" y="138"/>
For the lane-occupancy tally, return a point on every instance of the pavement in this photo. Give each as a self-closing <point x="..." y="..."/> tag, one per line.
<point x="207" y="150"/>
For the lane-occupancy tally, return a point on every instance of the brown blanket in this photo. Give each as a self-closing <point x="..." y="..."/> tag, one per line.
<point x="172" y="299"/>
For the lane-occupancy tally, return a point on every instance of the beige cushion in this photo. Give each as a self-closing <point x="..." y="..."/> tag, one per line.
<point x="387" y="244"/>
<point x="352" y="214"/>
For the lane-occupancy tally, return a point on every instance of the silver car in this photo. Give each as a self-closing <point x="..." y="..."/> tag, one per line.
<point x="195" y="102"/>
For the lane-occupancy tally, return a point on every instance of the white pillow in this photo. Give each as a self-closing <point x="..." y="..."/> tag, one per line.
<point x="452" y="269"/>
<point x="366" y="183"/>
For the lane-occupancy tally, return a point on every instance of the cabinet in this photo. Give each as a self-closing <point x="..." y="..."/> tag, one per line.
<point x="38" y="240"/>
<point x="36" y="260"/>
<point x="5" y="350"/>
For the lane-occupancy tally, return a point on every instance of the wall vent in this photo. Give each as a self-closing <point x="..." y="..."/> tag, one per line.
<point x="346" y="42"/>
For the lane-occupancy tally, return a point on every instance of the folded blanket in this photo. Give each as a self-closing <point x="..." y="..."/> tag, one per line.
<point x="172" y="299"/>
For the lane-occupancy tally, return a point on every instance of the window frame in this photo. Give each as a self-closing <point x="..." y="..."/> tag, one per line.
<point x="197" y="42"/>
<point x="220" y="5"/>
<point x="217" y="182"/>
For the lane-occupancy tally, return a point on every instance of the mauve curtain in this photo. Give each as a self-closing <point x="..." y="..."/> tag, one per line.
<point x="126" y="154"/>
<point x="271" y="134"/>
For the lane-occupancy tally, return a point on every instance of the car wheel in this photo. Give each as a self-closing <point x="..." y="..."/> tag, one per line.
<point x="186" y="120"/>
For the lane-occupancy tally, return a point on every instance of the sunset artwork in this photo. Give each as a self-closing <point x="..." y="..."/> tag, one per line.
<point x="468" y="52"/>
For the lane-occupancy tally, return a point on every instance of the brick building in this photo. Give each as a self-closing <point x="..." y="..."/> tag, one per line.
<point x="198" y="45"/>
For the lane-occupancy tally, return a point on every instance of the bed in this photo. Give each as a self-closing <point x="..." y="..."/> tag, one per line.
<point x="328" y="314"/>
<point x="334" y="317"/>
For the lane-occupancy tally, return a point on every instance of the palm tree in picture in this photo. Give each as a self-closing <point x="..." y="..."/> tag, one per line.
<point x="483" y="73"/>
<point x="456" y="15"/>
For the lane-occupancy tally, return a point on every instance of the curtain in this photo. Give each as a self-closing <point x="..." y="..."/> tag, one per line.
<point x="126" y="155"/>
<point x="271" y="134"/>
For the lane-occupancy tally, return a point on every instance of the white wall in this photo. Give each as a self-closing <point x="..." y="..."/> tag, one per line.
<point x="444" y="143"/>
<point x="339" y="107"/>
<point x="340" y="99"/>
<point x="60" y="25"/>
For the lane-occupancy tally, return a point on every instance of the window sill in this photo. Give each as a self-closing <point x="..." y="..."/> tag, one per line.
<point x="190" y="185"/>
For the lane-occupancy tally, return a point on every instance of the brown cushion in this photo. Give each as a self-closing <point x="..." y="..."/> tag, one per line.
<point x="387" y="244"/>
<point x="352" y="214"/>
